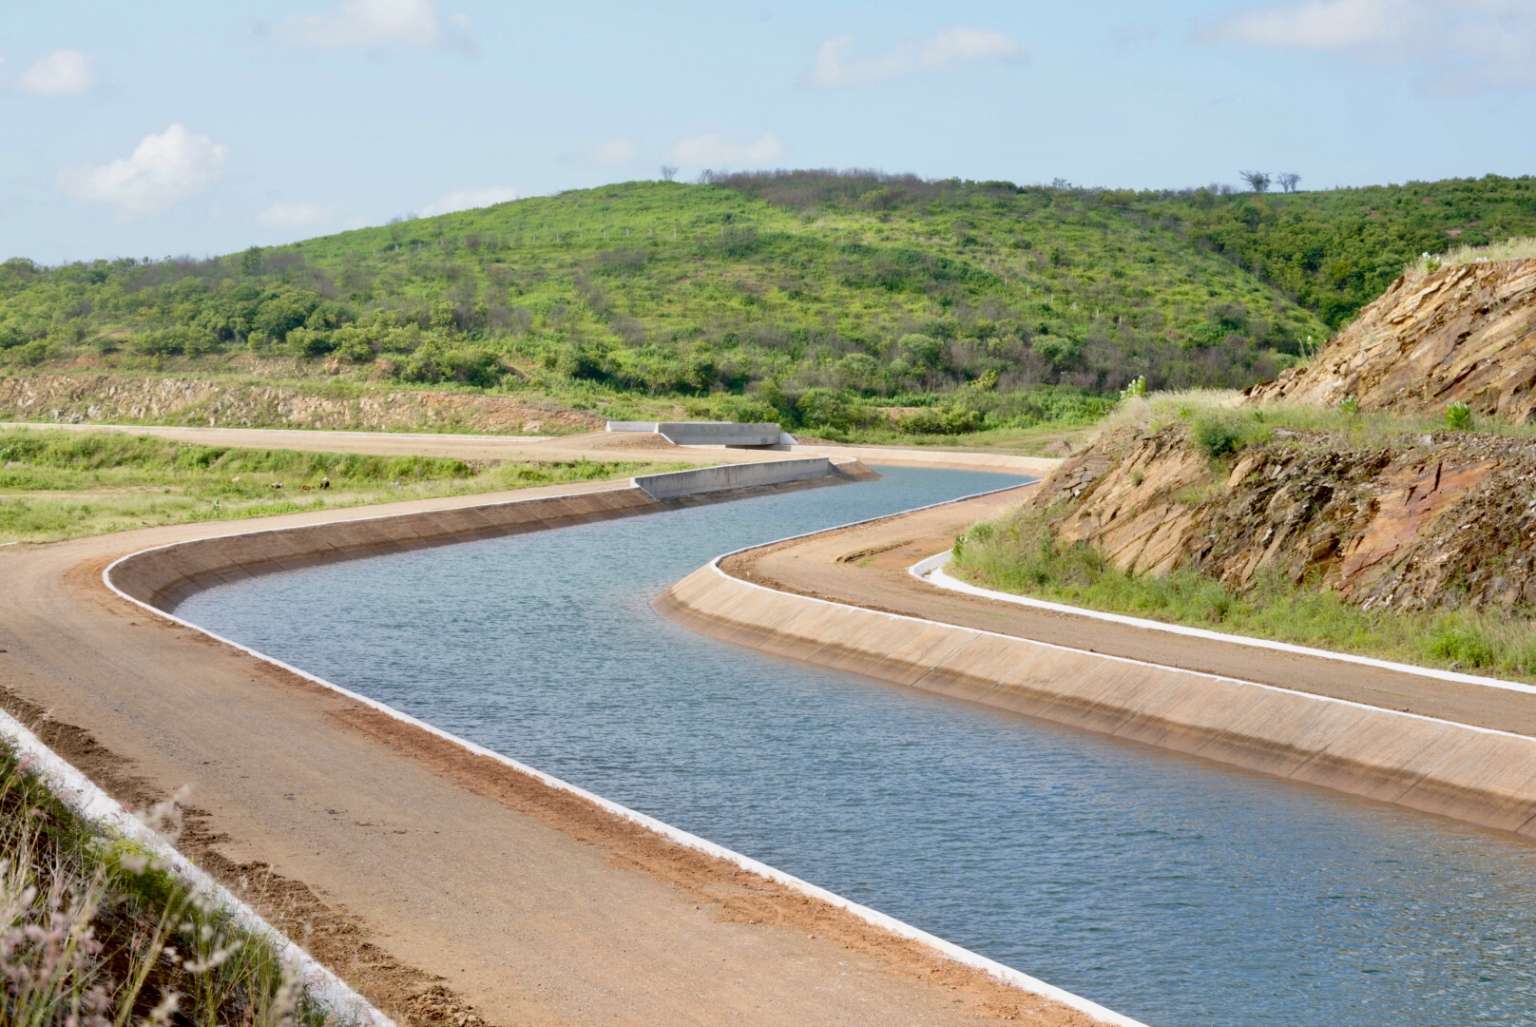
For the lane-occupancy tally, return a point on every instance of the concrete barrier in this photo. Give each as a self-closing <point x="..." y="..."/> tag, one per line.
<point x="1472" y="774"/>
<point x="709" y="433"/>
<point x="680" y="484"/>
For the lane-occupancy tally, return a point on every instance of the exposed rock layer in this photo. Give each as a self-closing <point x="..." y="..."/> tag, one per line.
<point x="1462" y="334"/>
<point x="188" y="401"/>
<point x="1440" y="520"/>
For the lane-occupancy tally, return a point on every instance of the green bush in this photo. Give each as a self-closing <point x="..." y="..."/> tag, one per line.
<point x="1460" y="642"/>
<point x="1218" y="436"/>
<point x="1458" y="417"/>
<point x="949" y="419"/>
<point x="828" y="410"/>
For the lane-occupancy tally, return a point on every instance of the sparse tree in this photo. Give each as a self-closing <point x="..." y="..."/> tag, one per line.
<point x="1258" y="181"/>
<point x="1288" y="180"/>
<point x="668" y="172"/>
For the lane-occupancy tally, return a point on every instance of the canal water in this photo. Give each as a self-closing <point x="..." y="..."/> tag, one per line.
<point x="1172" y="890"/>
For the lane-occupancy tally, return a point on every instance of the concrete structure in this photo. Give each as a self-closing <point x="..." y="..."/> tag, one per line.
<point x="728" y="477"/>
<point x="848" y="983"/>
<point x="164" y="577"/>
<point x="1471" y="772"/>
<point x="709" y="433"/>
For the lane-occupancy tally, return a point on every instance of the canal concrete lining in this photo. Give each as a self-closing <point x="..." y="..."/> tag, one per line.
<point x="163" y="577"/>
<point x="812" y="599"/>
<point x="397" y="831"/>
<point x="726" y="477"/>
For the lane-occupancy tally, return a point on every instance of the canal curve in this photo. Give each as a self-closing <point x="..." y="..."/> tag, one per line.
<point x="1154" y="884"/>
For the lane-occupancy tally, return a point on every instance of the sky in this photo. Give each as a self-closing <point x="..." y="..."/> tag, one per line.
<point x="189" y="127"/>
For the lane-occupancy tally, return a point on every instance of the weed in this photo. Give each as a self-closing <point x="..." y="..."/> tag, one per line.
<point x="94" y="933"/>
<point x="1020" y="554"/>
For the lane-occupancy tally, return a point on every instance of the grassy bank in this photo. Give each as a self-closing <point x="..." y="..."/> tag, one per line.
<point x="1018" y="554"/>
<point x="94" y="933"/>
<point x="62" y="484"/>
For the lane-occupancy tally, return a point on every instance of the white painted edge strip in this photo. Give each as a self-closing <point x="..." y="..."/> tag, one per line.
<point x="931" y="569"/>
<point x="92" y="804"/>
<point x="1006" y="974"/>
<point x="1127" y="660"/>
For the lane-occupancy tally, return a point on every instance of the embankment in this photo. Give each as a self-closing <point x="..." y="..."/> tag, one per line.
<point x="796" y="605"/>
<point x="165" y="576"/>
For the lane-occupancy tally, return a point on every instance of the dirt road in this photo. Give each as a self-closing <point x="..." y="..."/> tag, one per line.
<point x="867" y="566"/>
<point x="446" y="887"/>
<point x="590" y="446"/>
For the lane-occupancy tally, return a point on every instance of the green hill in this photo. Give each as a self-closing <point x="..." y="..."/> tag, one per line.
<point x="811" y="296"/>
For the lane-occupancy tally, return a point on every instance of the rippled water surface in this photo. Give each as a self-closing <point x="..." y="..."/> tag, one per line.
<point x="1168" y="889"/>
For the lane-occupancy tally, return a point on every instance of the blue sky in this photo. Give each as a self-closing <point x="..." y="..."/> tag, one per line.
<point x="196" y="127"/>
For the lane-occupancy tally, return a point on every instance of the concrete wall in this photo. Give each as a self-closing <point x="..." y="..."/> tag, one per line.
<point x="679" y="484"/>
<point x="166" y="576"/>
<point x="1472" y="774"/>
<point x="708" y="433"/>
<point x="720" y="433"/>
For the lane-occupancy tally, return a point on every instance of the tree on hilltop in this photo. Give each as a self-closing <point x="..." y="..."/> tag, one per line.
<point x="1258" y="181"/>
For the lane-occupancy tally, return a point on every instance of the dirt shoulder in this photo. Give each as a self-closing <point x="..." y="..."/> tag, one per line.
<point x="867" y="566"/>
<point x="446" y="887"/>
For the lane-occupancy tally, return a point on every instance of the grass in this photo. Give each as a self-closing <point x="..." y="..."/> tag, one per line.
<point x="1221" y="421"/>
<point x="1510" y="249"/>
<point x="1019" y="555"/>
<point x="94" y="933"/>
<point x="68" y="484"/>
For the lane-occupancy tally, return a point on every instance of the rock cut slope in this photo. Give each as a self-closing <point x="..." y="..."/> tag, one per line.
<point x="1464" y="334"/>
<point x="1378" y="511"/>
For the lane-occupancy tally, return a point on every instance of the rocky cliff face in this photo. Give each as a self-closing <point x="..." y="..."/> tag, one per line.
<point x="1407" y="521"/>
<point x="238" y="405"/>
<point x="1433" y="521"/>
<point x="1461" y="334"/>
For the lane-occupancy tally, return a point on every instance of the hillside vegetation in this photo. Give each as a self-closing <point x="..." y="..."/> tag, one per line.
<point x="816" y="298"/>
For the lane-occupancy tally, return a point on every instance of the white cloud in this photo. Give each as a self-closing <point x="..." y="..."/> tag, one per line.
<point x="616" y="151"/>
<point x="944" y="49"/>
<point x="713" y="151"/>
<point x="61" y="73"/>
<point x="290" y="215"/>
<point x="468" y="199"/>
<point x="1318" y="24"/>
<point x="375" y="23"/>
<point x="162" y="170"/>
<point x="1452" y="44"/>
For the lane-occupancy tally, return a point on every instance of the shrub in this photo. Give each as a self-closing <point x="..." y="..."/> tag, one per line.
<point x="1458" y="416"/>
<point x="466" y="365"/>
<point x="308" y="342"/>
<point x="1218" y="436"/>
<point x="1460" y="642"/>
<point x="828" y="409"/>
<point x="950" y="419"/>
<point x="1057" y="350"/>
<point x="920" y="350"/>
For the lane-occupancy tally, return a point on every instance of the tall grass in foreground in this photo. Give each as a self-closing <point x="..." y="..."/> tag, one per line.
<point x="93" y="933"/>
<point x="1019" y="554"/>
